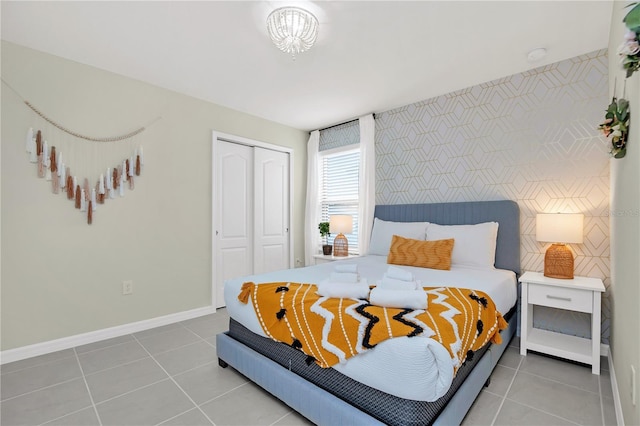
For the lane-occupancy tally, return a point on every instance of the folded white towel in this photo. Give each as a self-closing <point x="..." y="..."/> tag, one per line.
<point x="410" y="299"/>
<point x="394" y="284"/>
<point x="344" y="277"/>
<point x="346" y="267"/>
<point x="399" y="274"/>
<point x="359" y="290"/>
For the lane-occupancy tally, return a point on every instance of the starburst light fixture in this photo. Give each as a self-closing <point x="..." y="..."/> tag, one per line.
<point x="292" y="29"/>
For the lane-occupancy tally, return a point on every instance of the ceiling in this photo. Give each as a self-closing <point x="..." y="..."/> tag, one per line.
<point x="369" y="57"/>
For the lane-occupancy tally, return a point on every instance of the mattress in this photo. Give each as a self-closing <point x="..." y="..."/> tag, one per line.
<point x="416" y="368"/>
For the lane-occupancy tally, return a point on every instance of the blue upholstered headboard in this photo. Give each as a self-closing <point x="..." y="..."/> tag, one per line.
<point x="505" y="212"/>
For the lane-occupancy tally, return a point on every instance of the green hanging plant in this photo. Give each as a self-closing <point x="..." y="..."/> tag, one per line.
<point x="616" y="126"/>
<point x="629" y="50"/>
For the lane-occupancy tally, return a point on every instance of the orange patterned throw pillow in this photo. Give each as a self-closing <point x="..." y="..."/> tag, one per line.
<point x="425" y="254"/>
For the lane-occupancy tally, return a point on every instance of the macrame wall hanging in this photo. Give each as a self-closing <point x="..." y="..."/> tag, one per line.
<point x="87" y="170"/>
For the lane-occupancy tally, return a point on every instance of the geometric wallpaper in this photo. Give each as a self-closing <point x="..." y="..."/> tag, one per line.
<point x="340" y="135"/>
<point x="531" y="137"/>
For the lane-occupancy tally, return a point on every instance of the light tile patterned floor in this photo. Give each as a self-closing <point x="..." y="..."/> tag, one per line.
<point x="538" y="390"/>
<point x="170" y="376"/>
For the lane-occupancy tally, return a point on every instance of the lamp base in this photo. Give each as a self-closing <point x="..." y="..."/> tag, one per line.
<point x="340" y="246"/>
<point x="558" y="262"/>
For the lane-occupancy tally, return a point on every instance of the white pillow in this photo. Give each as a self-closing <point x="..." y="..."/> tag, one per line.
<point x="384" y="230"/>
<point x="474" y="245"/>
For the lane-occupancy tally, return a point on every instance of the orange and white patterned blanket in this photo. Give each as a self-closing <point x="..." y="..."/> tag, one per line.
<point x="331" y="330"/>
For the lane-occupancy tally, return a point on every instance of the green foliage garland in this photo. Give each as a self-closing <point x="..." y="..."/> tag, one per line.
<point x="629" y="50"/>
<point x="616" y="126"/>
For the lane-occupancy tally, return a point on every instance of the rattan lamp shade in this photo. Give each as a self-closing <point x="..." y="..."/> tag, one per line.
<point x="559" y="228"/>
<point x="340" y="224"/>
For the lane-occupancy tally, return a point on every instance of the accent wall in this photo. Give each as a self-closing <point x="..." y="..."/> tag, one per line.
<point x="531" y="137"/>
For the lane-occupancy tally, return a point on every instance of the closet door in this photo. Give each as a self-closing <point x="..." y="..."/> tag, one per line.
<point x="271" y="201"/>
<point x="234" y="200"/>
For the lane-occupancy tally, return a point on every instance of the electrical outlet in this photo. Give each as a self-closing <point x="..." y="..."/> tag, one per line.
<point x="633" y="386"/>
<point x="127" y="287"/>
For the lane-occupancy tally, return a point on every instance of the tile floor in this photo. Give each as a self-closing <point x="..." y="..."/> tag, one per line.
<point x="170" y="376"/>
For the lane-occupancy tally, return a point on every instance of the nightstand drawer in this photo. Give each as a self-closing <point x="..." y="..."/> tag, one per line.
<point x="561" y="297"/>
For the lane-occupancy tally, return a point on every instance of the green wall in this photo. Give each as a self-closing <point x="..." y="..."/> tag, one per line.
<point x="61" y="277"/>
<point x="625" y="233"/>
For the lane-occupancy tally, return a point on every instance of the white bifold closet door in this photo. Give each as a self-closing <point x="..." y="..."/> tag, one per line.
<point x="271" y="210"/>
<point x="252" y="206"/>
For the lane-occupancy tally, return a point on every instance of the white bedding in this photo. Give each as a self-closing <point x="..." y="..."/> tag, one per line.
<point x="415" y="368"/>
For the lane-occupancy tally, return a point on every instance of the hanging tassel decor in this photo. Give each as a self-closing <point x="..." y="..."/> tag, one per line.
<point x="39" y="154"/>
<point x="101" y="185"/>
<point x="113" y="183"/>
<point x="93" y="199"/>
<point x="55" y="183"/>
<point x="78" y="195"/>
<point x="62" y="173"/>
<point x="31" y="146"/>
<point x="46" y="161"/>
<point x="98" y="194"/>
<point x="53" y="170"/>
<point x="138" y="164"/>
<point x="116" y="178"/>
<point x="75" y="186"/>
<point x="50" y="166"/>
<point x="109" y="183"/>
<point x="39" y="143"/>
<point x="101" y="189"/>
<point x="70" y="187"/>
<point x="86" y="199"/>
<point x="131" y="174"/>
<point x="86" y="189"/>
<point x="38" y="146"/>
<point x="83" y="200"/>
<point x="40" y="166"/>
<point x="122" y="173"/>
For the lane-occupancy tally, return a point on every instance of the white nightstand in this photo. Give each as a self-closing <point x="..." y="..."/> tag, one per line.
<point x="580" y="294"/>
<point x="321" y="258"/>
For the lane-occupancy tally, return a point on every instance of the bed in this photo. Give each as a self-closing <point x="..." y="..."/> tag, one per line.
<point x="345" y="394"/>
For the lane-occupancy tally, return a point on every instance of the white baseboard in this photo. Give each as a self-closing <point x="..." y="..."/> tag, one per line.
<point x="29" y="351"/>
<point x="616" y="394"/>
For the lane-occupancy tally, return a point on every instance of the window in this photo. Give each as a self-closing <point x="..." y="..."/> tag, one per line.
<point x="339" y="188"/>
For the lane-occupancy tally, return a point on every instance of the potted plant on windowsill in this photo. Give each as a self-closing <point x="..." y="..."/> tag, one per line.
<point x="324" y="233"/>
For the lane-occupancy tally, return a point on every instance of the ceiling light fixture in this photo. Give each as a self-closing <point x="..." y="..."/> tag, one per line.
<point x="292" y="29"/>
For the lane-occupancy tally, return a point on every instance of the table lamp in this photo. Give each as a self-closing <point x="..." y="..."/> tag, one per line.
<point x="340" y="224"/>
<point x="559" y="229"/>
